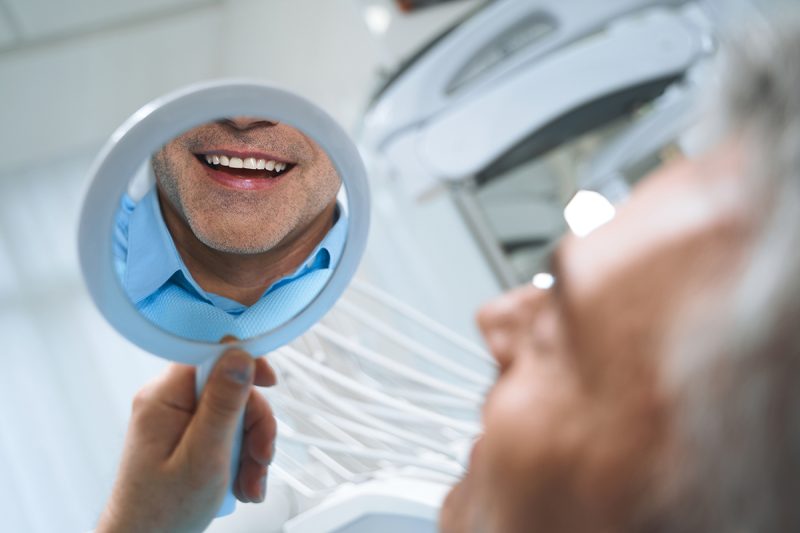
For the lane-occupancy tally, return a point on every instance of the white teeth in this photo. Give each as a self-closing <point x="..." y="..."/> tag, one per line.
<point x="248" y="162"/>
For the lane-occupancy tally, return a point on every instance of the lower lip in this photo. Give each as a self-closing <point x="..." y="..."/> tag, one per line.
<point x="245" y="184"/>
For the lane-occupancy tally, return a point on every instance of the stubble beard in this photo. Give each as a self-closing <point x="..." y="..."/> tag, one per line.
<point x="227" y="239"/>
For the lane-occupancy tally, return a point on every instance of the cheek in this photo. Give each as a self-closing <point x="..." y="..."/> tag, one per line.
<point x="176" y="175"/>
<point x="620" y="339"/>
<point x="318" y="188"/>
<point x="178" y="162"/>
<point x="508" y="323"/>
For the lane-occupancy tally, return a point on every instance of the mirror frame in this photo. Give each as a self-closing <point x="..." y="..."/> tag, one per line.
<point x="157" y="123"/>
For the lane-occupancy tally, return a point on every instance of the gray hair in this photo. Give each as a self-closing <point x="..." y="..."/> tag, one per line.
<point x="739" y="405"/>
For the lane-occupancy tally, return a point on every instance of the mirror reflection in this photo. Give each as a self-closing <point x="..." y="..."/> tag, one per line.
<point x="231" y="229"/>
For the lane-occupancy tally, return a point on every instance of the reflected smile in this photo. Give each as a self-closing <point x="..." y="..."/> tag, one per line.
<point x="247" y="171"/>
<point x="248" y="162"/>
<point x="271" y="166"/>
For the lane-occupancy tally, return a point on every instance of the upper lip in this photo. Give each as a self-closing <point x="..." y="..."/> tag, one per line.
<point x="246" y="154"/>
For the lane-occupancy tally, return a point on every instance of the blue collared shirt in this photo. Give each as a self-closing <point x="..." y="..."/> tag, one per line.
<point x="148" y="262"/>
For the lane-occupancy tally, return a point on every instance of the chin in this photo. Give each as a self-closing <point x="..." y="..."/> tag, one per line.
<point x="236" y="240"/>
<point x="239" y="248"/>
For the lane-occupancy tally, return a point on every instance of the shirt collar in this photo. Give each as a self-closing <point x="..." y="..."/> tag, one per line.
<point x="327" y="252"/>
<point x="152" y="258"/>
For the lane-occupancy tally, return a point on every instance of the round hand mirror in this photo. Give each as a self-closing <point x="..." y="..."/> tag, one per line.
<point x="223" y="210"/>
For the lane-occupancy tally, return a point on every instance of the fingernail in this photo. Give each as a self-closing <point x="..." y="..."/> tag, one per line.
<point x="238" y="366"/>
<point x="228" y="339"/>
<point x="263" y="484"/>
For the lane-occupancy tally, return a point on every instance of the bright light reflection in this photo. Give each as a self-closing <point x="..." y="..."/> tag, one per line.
<point x="587" y="211"/>
<point x="543" y="280"/>
<point x="378" y="19"/>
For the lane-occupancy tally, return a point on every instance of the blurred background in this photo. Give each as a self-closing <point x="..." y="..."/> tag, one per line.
<point x="70" y="73"/>
<point x="479" y="122"/>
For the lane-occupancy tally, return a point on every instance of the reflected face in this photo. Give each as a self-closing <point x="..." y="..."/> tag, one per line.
<point x="246" y="185"/>
<point x="579" y="416"/>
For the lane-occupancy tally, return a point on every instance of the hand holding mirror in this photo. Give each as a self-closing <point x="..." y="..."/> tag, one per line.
<point x="226" y="210"/>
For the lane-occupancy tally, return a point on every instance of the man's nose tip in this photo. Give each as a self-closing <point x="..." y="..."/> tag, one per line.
<point x="508" y="308"/>
<point x="244" y="123"/>
<point x="509" y="318"/>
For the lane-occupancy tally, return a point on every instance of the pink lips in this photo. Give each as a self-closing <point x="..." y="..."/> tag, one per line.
<point x="239" y="179"/>
<point x="242" y="183"/>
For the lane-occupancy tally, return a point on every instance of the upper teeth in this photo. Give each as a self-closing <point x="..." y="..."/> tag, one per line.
<point x="248" y="162"/>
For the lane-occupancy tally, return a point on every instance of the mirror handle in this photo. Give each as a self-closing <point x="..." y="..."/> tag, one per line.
<point x="229" y="502"/>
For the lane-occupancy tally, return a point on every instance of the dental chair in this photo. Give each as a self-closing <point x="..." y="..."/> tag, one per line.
<point x="474" y="146"/>
<point x="494" y="126"/>
<point x="374" y="421"/>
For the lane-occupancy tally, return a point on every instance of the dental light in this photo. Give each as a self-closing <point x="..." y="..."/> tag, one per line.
<point x="587" y="211"/>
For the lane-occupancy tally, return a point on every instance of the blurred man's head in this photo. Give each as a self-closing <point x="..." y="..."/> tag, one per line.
<point x="624" y="387"/>
<point x="246" y="185"/>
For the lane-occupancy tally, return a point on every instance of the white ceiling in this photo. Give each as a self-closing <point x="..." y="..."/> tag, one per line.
<point x="73" y="70"/>
<point x="29" y="21"/>
<point x="7" y="32"/>
<point x="70" y="90"/>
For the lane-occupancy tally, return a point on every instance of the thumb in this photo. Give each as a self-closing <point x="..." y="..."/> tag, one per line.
<point x="222" y="402"/>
